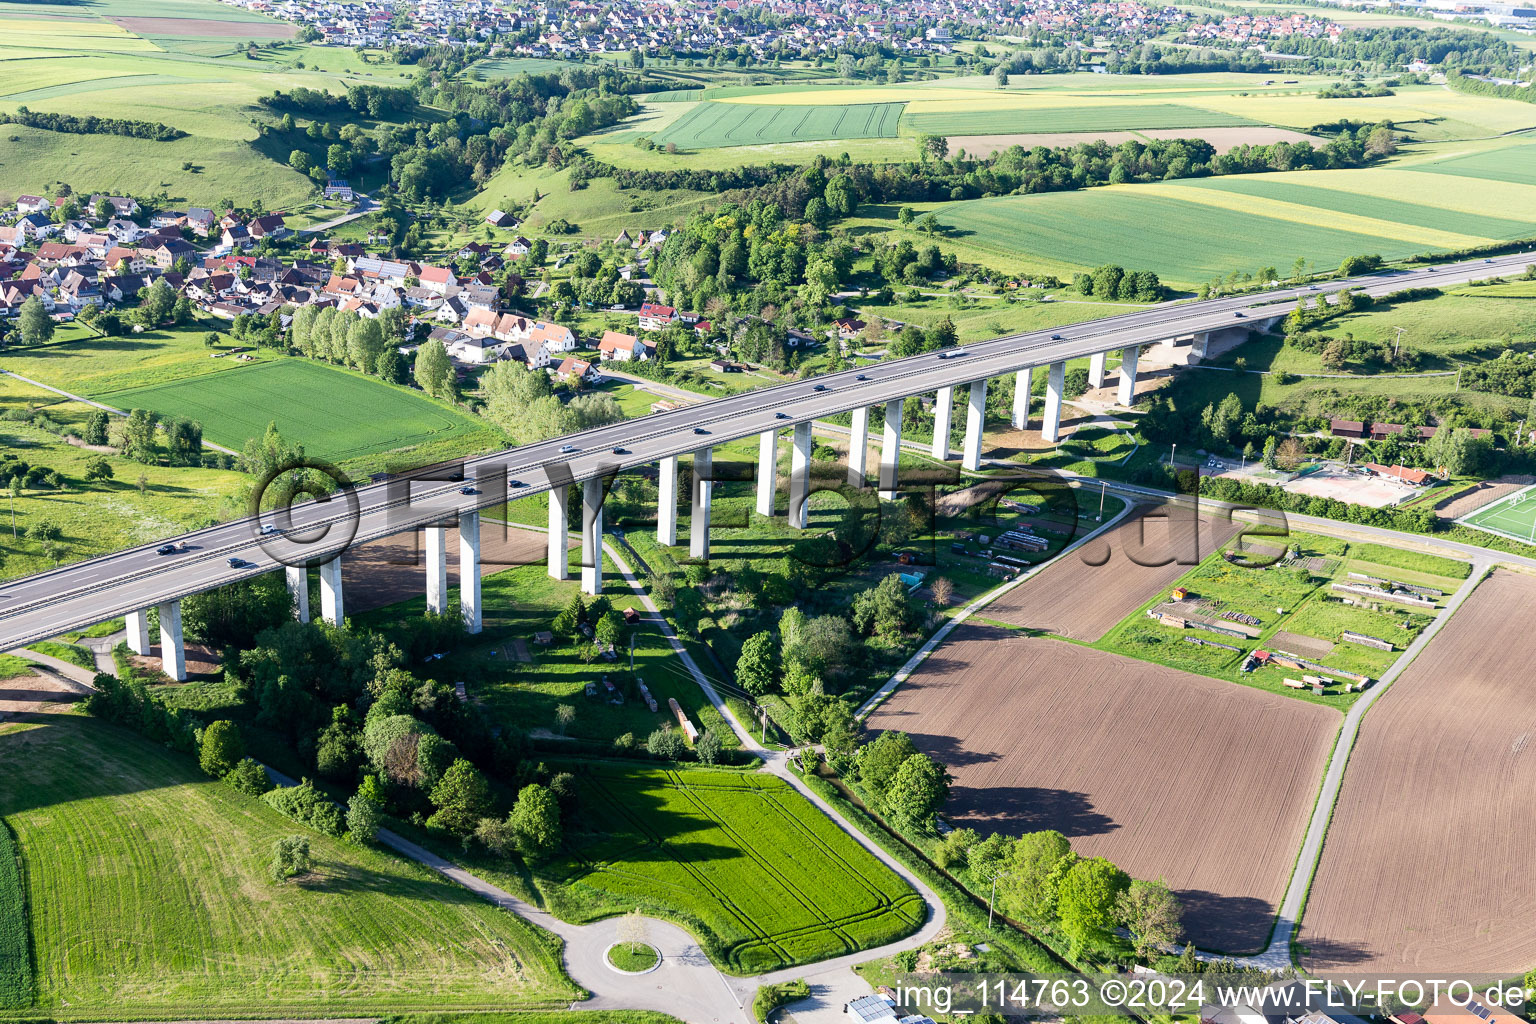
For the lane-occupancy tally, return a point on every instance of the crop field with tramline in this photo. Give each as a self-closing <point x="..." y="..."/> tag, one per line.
<point x="148" y="897"/>
<point x="333" y="413"/>
<point x="1108" y="117"/>
<point x="712" y="124"/>
<point x="1514" y="516"/>
<point x="760" y="875"/>
<point x="1196" y="228"/>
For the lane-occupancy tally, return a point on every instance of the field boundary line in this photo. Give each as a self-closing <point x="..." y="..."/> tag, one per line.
<point x="922" y="654"/>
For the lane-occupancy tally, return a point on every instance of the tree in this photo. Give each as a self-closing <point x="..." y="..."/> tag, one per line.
<point x="363" y="817"/>
<point x="434" y="370"/>
<point x="943" y="591"/>
<point x="535" y="821"/>
<point x="249" y="778"/>
<point x="290" y="858"/>
<point x="565" y="714"/>
<point x="757" y="668"/>
<point x="221" y="748"/>
<point x="462" y="797"/>
<point x="96" y="427"/>
<point x="98" y="469"/>
<point x="666" y="744"/>
<point x="299" y="161"/>
<point x="880" y="759"/>
<point x="1086" y="901"/>
<point x="1458" y="451"/>
<point x="1030" y="873"/>
<point x="36" y="325"/>
<point x="884" y="611"/>
<point x="1150" y="912"/>
<point x="916" y="792"/>
<point x="1269" y="458"/>
<point x="708" y="748"/>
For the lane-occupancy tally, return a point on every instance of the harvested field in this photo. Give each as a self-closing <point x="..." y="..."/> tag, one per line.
<point x="1222" y="138"/>
<point x="382" y="572"/>
<point x="1167" y="774"/>
<point x="1088" y="592"/>
<point x="205" y="29"/>
<point x="1427" y="861"/>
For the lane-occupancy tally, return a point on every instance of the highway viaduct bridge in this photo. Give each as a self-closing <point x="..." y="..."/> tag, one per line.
<point x="129" y="583"/>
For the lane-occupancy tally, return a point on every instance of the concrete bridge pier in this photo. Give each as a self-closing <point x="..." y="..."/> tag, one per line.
<point x="331" y="608"/>
<point x="975" y="424"/>
<point x="890" y="449"/>
<point x="1096" y="369"/>
<point x="1055" y="388"/>
<point x="1022" y="382"/>
<point x="559" y="553"/>
<point x="1200" y="346"/>
<point x="800" y="476"/>
<point x="436" y="539"/>
<point x="666" y="503"/>
<point x="943" y="409"/>
<point x="858" y="448"/>
<point x="767" y="471"/>
<point x="173" y="655"/>
<point x="298" y="590"/>
<point x="138" y="631"/>
<point x="592" y="537"/>
<point x="1128" y="357"/>
<point x="469" y="570"/>
<point x="703" y="491"/>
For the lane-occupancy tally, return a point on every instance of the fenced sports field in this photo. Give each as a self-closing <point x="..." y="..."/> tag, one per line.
<point x="1514" y="516"/>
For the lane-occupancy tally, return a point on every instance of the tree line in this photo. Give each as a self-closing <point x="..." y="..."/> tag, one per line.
<point x="90" y="124"/>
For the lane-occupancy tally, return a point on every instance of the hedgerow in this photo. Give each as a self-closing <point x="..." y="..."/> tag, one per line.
<point x="15" y="955"/>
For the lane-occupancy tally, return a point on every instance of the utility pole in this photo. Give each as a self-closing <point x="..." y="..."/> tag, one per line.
<point x="1103" y="490"/>
<point x="1396" y="345"/>
<point x="991" y="900"/>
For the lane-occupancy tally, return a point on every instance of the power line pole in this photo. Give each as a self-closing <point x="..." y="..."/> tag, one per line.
<point x="1396" y="345"/>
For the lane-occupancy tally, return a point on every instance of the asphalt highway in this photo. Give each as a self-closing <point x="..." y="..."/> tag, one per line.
<point x="78" y="595"/>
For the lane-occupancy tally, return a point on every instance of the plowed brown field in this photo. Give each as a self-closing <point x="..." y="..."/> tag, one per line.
<point x="1428" y="860"/>
<point x="1205" y="784"/>
<point x="1084" y="594"/>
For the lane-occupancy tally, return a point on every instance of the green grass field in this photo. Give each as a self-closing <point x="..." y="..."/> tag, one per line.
<point x="1192" y="230"/>
<point x="1514" y="516"/>
<point x="335" y="414"/>
<point x="710" y="125"/>
<point x="762" y="876"/>
<point x="148" y="897"/>
<point x="1106" y="117"/>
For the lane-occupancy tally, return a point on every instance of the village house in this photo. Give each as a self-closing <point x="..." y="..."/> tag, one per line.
<point x="623" y="348"/>
<point x="654" y="317"/>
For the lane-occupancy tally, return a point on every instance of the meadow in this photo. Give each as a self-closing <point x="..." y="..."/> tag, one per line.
<point x="709" y="124"/>
<point x="139" y="504"/>
<point x="148" y="896"/>
<point x="334" y="413"/>
<point x="761" y="876"/>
